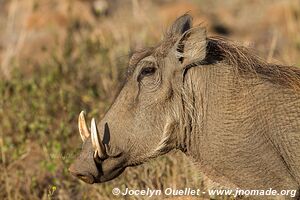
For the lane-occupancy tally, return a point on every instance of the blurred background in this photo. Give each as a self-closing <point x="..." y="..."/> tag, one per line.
<point x="58" y="57"/>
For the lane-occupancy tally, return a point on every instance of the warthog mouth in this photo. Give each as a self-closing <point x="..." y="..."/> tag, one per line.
<point x="105" y="170"/>
<point x="107" y="176"/>
<point x="110" y="169"/>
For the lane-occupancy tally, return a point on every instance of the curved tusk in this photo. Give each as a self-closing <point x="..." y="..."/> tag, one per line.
<point x="97" y="145"/>
<point x="82" y="126"/>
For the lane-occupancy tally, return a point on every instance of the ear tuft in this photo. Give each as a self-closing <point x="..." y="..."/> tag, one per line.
<point x="181" y="25"/>
<point x="191" y="46"/>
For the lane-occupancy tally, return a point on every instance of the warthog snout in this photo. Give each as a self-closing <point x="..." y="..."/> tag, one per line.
<point x="97" y="162"/>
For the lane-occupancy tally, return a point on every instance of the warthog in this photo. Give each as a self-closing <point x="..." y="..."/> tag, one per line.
<point x="235" y="115"/>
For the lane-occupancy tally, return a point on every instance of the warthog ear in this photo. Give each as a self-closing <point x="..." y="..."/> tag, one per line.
<point x="181" y="25"/>
<point x="191" y="47"/>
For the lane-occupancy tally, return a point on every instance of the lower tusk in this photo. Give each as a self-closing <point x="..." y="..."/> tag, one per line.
<point x="97" y="145"/>
<point x="95" y="154"/>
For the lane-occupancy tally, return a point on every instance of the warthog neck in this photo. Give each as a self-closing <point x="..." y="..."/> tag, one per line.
<point x="239" y="129"/>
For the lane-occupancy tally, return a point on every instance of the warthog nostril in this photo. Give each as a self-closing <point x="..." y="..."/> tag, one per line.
<point x="84" y="177"/>
<point x="80" y="176"/>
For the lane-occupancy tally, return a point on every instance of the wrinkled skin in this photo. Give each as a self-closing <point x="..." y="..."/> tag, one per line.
<point x="235" y="115"/>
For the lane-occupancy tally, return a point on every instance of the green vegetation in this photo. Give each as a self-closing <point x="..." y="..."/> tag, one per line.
<point x="39" y="136"/>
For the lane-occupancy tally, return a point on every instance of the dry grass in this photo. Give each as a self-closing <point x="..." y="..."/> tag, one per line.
<point x="59" y="57"/>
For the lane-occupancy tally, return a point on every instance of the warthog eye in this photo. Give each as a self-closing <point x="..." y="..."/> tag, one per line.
<point x="148" y="71"/>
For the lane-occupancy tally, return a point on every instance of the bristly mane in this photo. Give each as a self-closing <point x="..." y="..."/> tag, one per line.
<point x="247" y="63"/>
<point x="241" y="58"/>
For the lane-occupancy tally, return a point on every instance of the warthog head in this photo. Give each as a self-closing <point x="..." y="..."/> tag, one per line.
<point x="145" y="121"/>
